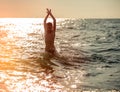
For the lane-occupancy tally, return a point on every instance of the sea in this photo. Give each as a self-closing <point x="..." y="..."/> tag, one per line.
<point x="88" y="56"/>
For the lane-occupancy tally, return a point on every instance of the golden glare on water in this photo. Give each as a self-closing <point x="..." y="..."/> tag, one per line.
<point x="21" y="42"/>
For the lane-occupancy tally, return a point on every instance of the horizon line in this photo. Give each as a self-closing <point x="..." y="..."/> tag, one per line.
<point x="67" y="17"/>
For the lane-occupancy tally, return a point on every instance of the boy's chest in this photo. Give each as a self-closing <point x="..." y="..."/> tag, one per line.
<point x="49" y="35"/>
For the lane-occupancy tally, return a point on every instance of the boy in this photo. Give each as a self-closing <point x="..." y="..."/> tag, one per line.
<point x="50" y="29"/>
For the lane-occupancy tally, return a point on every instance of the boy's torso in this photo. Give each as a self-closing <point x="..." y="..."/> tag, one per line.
<point x="49" y="38"/>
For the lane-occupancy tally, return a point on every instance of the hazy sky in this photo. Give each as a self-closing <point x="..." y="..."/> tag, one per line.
<point x="61" y="8"/>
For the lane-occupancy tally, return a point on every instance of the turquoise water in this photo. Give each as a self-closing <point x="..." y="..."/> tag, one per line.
<point x="89" y="52"/>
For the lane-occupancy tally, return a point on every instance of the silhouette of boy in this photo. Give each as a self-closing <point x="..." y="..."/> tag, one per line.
<point x="50" y="29"/>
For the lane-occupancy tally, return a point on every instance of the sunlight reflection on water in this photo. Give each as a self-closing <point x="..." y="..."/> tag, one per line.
<point x="85" y="62"/>
<point x="20" y="42"/>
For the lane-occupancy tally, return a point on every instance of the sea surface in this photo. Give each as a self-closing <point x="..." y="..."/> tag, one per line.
<point x="89" y="56"/>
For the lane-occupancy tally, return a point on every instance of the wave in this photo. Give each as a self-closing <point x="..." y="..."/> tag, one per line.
<point x="90" y="24"/>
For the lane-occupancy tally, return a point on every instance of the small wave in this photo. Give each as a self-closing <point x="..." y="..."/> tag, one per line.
<point x="110" y="50"/>
<point x="76" y="36"/>
<point x="113" y="35"/>
<point x="104" y="59"/>
<point x="92" y="74"/>
<point x="98" y="57"/>
<point x="118" y="36"/>
<point x="112" y="61"/>
<point x="106" y="66"/>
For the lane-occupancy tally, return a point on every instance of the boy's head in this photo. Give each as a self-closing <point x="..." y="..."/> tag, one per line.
<point x="49" y="26"/>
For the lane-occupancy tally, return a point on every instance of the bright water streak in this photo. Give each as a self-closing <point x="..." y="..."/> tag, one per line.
<point x="21" y="44"/>
<point x="91" y="56"/>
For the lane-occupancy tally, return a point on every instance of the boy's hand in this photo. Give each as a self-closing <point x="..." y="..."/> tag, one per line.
<point x="48" y="11"/>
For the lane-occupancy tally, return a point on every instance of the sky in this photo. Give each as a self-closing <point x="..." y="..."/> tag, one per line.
<point x="60" y="8"/>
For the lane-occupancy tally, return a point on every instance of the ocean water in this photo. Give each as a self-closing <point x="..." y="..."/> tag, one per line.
<point x="89" y="59"/>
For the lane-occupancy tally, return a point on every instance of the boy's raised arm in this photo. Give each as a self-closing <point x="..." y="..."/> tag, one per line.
<point x="45" y="21"/>
<point x="54" y="20"/>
